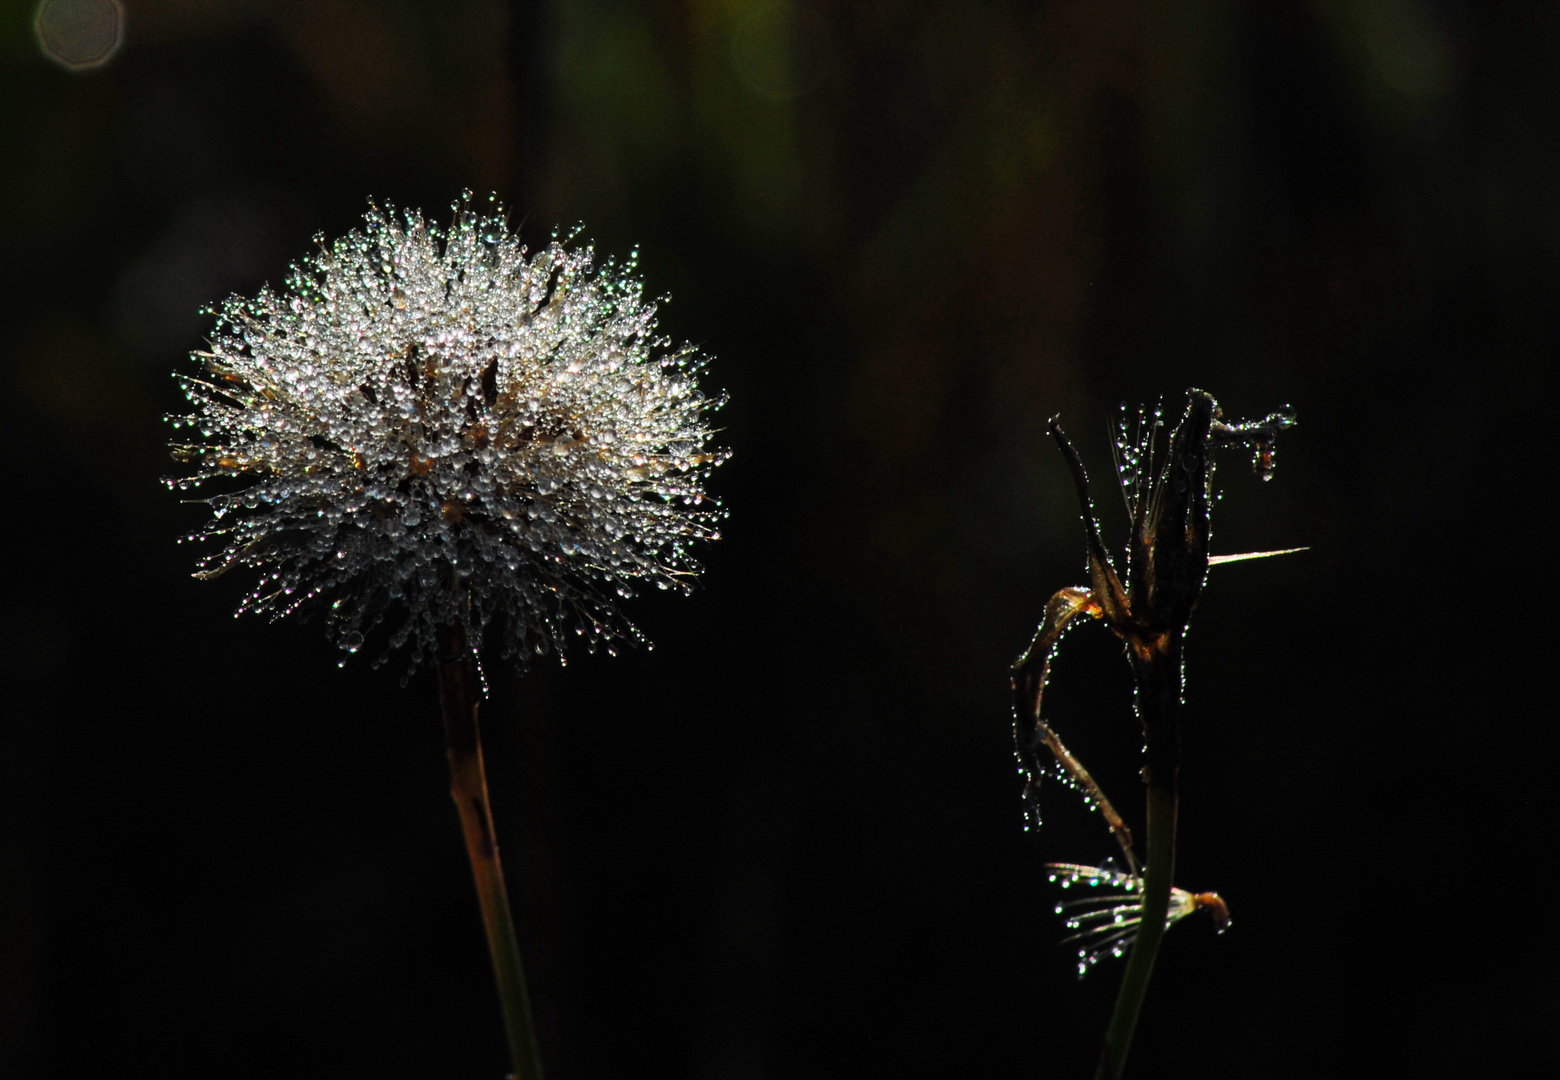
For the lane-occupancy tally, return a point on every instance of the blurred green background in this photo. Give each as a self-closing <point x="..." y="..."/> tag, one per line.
<point x="787" y="842"/>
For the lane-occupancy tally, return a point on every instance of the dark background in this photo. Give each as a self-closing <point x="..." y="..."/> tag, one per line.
<point x="787" y="842"/>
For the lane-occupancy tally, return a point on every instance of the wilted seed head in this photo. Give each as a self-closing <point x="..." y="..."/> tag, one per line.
<point x="1106" y="924"/>
<point x="440" y="428"/>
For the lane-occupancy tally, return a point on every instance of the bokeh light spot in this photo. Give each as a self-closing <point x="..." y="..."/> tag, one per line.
<point x="80" y="33"/>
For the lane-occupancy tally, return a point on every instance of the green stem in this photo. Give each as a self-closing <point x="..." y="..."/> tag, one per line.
<point x="1157" y="667"/>
<point x="459" y="696"/>
<point x="1156" y="904"/>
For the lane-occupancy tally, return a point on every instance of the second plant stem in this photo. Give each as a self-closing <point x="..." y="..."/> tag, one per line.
<point x="1156" y="668"/>
<point x="460" y="695"/>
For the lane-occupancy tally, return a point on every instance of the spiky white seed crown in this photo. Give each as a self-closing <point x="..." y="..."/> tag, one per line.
<point x="440" y="428"/>
<point x="1106" y="924"/>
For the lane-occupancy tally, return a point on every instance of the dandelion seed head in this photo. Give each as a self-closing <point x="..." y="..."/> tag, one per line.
<point x="1106" y="924"/>
<point x="432" y="426"/>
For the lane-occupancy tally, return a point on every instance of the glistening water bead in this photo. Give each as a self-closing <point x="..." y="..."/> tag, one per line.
<point x="436" y="426"/>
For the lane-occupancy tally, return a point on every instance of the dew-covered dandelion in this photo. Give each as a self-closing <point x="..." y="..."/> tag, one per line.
<point x="1106" y="924"/>
<point x="436" y="427"/>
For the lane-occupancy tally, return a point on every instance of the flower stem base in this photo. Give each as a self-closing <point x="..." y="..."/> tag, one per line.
<point x="460" y="695"/>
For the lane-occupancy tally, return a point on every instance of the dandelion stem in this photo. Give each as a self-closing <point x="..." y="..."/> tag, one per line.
<point x="1156" y="667"/>
<point x="460" y="695"/>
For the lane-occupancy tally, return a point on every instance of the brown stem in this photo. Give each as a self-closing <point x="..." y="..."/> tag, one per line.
<point x="459" y="695"/>
<point x="1030" y="673"/>
<point x="1092" y="791"/>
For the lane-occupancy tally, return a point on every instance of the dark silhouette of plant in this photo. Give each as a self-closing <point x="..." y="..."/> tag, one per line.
<point x="1166" y="483"/>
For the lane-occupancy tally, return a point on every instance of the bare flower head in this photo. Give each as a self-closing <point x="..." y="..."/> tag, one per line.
<point x="435" y="427"/>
